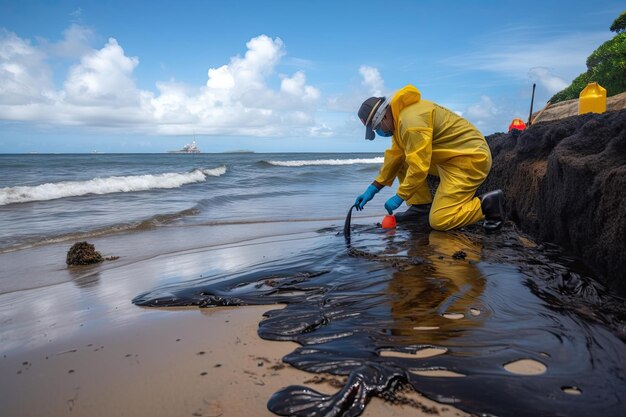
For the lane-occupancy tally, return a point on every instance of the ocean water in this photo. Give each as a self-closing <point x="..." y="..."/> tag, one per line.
<point x="54" y="198"/>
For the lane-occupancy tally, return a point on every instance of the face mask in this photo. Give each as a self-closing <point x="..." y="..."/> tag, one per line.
<point x="382" y="133"/>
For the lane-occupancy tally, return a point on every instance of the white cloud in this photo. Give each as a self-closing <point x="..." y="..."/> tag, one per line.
<point x="100" y="91"/>
<point x="75" y="43"/>
<point x="296" y="87"/>
<point x="547" y="79"/>
<point x="372" y="80"/>
<point x="24" y="76"/>
<point x="482" y="112"/>
<point x="103" y="78"/>
<point x="371" y="84"/>
<point x="248" y="73"/>
<point x="171" y="103"/>
<point x="322" y="131"/>
<point x="220" y="78"/>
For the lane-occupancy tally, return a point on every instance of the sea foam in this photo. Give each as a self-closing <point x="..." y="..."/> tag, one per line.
<point x="108" y="185"/>
<point x="378" y="160"/>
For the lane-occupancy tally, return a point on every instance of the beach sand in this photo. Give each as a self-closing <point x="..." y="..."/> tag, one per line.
<point x="72" y="343"/>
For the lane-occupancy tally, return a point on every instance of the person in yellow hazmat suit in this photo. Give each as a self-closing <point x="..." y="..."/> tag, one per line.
<point x="429" y="139"/>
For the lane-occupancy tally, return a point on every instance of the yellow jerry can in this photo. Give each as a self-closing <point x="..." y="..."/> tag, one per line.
<point x="592" y="99"/>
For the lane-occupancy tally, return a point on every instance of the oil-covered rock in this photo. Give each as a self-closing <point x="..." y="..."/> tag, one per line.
<point x="565" y="183"/>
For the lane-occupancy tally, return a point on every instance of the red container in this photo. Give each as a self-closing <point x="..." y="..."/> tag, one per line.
<point x="517" y="124"/>
<point x="389" y="221"/>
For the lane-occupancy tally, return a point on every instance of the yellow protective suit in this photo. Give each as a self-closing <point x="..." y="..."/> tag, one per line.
<point x="428" y="138"/>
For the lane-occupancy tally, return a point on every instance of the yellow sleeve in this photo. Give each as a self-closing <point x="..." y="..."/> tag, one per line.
<point x="418" y="152"/>
<point x="394" y="158"/>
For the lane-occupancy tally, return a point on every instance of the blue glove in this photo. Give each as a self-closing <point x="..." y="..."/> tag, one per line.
<point x="365" y="197"/>
<point x="393" y="203"/>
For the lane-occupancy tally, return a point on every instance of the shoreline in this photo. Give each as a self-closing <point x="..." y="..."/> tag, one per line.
<point x="81" y="347"/>
<point x="44" y="265"/>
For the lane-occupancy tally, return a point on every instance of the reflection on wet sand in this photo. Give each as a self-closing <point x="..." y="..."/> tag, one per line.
<point x="433" y="296"/>
<point x="84" y="276"/>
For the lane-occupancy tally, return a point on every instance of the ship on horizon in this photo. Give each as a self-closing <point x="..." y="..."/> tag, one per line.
<point x="188" y="148"/>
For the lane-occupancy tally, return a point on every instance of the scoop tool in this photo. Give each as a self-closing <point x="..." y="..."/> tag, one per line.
<point x="346" y="225"/>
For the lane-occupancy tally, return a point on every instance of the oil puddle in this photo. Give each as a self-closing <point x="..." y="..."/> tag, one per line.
<point x="508" y="328"/>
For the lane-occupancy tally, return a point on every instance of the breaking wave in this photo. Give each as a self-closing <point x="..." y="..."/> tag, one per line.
<point x="378" y="160"/>
<point x="108" y="185"/>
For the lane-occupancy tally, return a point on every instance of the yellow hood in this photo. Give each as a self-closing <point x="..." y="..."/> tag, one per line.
<point x="404" y="97"/>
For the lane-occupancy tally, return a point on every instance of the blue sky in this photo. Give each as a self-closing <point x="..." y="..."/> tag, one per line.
<point x="273" y="76"/>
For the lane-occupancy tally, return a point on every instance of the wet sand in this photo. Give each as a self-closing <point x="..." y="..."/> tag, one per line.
<point x="71" y="342"/>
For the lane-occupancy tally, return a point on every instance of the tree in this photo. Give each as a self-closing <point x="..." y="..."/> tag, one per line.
<point x="607" y="65"/>
<point x="619" y="25"/>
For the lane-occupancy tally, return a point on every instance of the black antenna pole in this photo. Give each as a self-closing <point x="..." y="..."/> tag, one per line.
<point x="532" y="100"/>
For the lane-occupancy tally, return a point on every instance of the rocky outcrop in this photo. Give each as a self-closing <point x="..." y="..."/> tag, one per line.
<point x="565" y="182"/>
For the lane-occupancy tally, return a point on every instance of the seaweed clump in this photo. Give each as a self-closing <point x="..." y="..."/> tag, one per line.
<point x="83" y="253"/>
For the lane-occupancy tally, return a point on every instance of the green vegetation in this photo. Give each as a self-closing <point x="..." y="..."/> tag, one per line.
<point x="606" y="66"/>
<point x="619" y="25"/>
